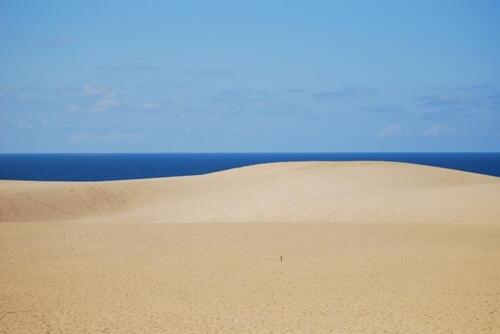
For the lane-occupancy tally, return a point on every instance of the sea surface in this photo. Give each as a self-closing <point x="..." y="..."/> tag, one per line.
<point x="100" y="167"/>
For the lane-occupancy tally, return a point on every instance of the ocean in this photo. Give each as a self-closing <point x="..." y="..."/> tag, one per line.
<point x="101" y="167"/>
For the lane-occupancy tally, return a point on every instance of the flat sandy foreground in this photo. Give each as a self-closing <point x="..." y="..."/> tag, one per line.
<point x="373" y="248"/>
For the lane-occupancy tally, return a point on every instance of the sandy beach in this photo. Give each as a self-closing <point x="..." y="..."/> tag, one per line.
<point x="374" y="247"/>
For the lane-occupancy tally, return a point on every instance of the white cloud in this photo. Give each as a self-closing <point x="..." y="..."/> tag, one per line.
<point x="435" y="130"/>
<point x="210" y="73"/>
<point x="99" y="98"/>
<point x="150" y="106"/>
<point x="95" y="89"/>
<point x="79" y="137"/>
<point x="24" y="124"/>
<point x="346" y="92"/>
<point x="390" y="131"/>
<point x="134" y="67"/>
<point x="85" y="136"/>
<point x="106" y="103"/>
<point x="73" y="107"/>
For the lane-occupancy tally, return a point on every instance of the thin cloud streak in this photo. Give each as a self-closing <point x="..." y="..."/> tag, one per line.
<point x="390" y="131"/>
<point x="345" y="93"/>
<point x="134" y="67"/>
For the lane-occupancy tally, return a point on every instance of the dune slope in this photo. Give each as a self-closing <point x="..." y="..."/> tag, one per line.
<point x="368" y="192"/>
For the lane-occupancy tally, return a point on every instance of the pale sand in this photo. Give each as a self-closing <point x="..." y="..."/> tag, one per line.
<point x="378" y="248"/>
<point x="365" y="192"/>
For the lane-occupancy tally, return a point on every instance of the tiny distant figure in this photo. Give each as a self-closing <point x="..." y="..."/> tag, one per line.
<point x="281" y="258"/>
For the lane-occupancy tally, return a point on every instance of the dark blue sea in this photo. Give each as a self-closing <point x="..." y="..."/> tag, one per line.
<point x="100" y="167"/>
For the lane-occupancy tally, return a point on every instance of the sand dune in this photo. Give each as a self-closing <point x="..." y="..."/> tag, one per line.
<point x="368" y="192"/>
<point x="375" y="248"/>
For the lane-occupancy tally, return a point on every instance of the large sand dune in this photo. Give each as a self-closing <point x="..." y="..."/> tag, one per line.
<point x="368" y="192"/>
<point x="376" y="248"/>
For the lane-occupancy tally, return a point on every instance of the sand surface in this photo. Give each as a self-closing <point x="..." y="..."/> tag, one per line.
<point x="375" y="248"/>
<point x="364" y="192"/>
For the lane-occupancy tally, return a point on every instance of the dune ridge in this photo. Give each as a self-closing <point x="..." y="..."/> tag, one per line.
<point x="320" y="192"/>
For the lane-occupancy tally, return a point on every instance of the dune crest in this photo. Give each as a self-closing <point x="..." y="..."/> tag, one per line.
<point x="309" y="192"/>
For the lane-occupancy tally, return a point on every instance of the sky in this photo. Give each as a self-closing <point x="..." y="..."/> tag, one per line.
<point x="249" y="76"/>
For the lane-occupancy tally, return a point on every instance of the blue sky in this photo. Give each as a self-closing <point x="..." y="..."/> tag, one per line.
<point x="249" y="76"/>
